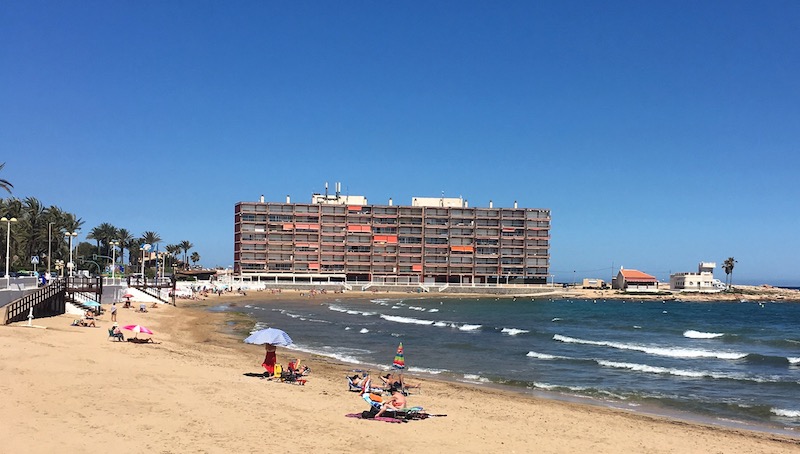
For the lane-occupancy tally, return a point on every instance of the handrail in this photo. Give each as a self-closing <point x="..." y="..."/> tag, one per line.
<point x="46" y="300"/>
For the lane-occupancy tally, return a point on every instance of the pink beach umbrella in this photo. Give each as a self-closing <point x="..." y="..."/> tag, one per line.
<point x="137" y="329"/>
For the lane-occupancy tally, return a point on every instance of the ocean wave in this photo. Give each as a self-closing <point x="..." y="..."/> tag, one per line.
<point x="556" y="319"/>
<point x="344" y="355"/>
<point x="537" y="355"/>
<point x="475" y="378"/>
<point x="426" y="370"/>
<point x="441" y="324"/>
<point x="794" y="360"/>
<point x="466" y="327"/>
<point x="433" y="310"/>
<point x="692" y="334"/>
<point x="364" y="331"/>
<point x="417" y="308"/>
<point x="785" y="413"/>
<point x="654" y="369"/>
<point x="514" y="331"/>
<point x="337" y="308"/>
<point x="398" y="319"/>
<point x="671" y="352"/>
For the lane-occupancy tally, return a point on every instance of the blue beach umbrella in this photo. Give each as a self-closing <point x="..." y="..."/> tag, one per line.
<point x="91" y="303"/>
<point x="272" y="336"/>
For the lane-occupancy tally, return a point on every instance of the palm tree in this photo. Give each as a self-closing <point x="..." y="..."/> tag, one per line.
<point x="29" y="229"/>
<point x="186" y="246"/>
<point x="4" y="183"/>
<point x="173" y="250"/>
<point x="195" y="257"/>
<point x="124" y="237"/>
<point x="728" y="267"/>
<point x="150" y="238"/>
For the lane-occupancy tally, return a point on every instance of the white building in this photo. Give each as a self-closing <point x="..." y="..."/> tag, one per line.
<point x="701" y="281"/>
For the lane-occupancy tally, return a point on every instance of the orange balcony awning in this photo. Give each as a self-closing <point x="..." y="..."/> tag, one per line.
<point x="416" y="267"/>
<point x="288" y="227"/>
<point x="462" y="248"/>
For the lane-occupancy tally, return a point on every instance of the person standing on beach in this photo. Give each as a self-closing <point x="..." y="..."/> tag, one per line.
<point x="114" y="312"/>
<point x="270" y="359"/>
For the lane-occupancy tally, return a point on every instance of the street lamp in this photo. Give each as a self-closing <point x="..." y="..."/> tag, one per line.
<point x="71" y="264"/>
<point x="49" y="245"/>
<point x="8" y="243"/>
<point x="114" y="244"/>
<point x="145" y="247"/>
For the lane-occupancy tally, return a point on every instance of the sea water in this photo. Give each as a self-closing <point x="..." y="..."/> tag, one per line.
<point x="734" y="363"/>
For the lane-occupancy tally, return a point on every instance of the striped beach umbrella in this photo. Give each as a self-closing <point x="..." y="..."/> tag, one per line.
<point x="399" y="360"/>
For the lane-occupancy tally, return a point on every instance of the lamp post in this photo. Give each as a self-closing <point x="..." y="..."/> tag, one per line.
<point x="113" y="244"/>
<point x="145" y="247"/>
<point x="8" y="243"/>
<point x="49" y="245"/>
<point x="71" y="264"/>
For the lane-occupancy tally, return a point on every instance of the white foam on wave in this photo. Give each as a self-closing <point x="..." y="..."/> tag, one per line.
<point x="793" y="360"/>
<point x="329" y="352"/>
<point x="670" y="352"/>
<point x="475" y="378"/>
<point x="364" y="331"/>
<point x="441" y="324"/>
<point x="466" y="327"/>
<point x="538" y="355"/>
<point x="398" y="319"/>
<point x="337" y="308"/>
<point x="514" y="331"/>
<point x="426" y="370"/>
<point x="692" y="334"/>
<point x="433" y="310"/>
<point x="557" y="319"/>
<point x="417" y="308"/>
<point x="785" y="413"/>
<point x="653" y="369"/>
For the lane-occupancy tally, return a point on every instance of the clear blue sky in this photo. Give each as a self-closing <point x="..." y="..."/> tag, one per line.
<point x="659" y="133"/>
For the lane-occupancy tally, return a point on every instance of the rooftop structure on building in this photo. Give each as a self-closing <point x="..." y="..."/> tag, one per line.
<point x="338" y="237"/>
<point x="701" y="281"/>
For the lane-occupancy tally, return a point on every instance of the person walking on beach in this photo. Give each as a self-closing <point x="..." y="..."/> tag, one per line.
<point x="114" y="312"/>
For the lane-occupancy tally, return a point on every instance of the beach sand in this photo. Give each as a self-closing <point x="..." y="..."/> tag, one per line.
<point x="71" y="389"/>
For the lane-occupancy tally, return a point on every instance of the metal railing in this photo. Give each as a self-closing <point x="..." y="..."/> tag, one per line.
<point x="48" y="300"/>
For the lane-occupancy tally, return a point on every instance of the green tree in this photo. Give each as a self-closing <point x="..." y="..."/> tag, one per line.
<point x="173" y="250"/>
<point x="4" y="183"/>
<point x="195" y="258"/>
<point x="124" y="237"/>
<point x="728" y="267"/>
<point x="185" y="246"/>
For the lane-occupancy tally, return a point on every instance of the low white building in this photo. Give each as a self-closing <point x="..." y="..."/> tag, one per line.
<point x="701" y="281"/>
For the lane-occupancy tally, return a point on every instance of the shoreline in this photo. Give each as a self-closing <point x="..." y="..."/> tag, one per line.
<point x="189" y="392"/>
<point x="644" y="409"/>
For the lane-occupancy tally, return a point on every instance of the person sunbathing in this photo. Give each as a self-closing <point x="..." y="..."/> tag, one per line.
<point x="391" y="380"/>
<point x="394" y="403"/>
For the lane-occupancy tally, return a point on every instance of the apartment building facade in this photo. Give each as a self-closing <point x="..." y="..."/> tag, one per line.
<point x="433" y="240"/>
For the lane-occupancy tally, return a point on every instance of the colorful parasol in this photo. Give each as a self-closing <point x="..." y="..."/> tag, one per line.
<point x="399" y="360"/>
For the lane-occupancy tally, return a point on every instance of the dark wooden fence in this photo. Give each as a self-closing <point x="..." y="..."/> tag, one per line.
<point x="46" y="301"/>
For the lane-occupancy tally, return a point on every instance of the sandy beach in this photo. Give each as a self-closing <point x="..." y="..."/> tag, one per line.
<point x="72" y="389"/>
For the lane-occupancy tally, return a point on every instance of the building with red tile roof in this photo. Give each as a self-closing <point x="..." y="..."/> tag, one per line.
<point x="635" y="280"/>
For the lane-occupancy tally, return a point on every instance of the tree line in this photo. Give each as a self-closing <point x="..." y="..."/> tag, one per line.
<point x="38" y="230"/>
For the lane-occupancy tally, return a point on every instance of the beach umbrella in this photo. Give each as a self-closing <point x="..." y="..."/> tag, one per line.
<point x="91" y="303"/>
<point x="399" y="359"/>
<point x="137" y="329"/>
<point x="272" y="336"/>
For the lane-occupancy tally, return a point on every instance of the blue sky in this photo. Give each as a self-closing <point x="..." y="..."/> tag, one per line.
<point x="659" y="134"/>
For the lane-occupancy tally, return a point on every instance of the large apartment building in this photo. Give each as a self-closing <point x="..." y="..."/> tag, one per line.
<point x="336" y="238"/>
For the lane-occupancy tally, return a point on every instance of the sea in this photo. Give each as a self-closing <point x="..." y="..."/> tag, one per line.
<point x="728" y="363"/>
